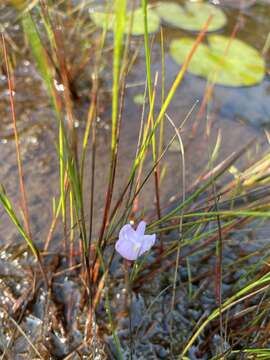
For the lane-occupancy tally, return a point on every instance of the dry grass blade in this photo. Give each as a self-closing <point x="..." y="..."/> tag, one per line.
<point x="17" y="142"/>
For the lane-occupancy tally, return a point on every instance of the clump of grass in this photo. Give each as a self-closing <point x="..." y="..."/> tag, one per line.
<point x="193" y="226"/>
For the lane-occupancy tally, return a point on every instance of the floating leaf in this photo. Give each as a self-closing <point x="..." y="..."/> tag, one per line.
<point x="153" y="21"/>
<point x="103" y="20"/>
<point x="192" y="16"/>
<point x="139" y="99"/>
<point x="224" y="61"/>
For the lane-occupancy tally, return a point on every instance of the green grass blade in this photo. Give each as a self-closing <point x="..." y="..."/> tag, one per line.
<point x="119" y="28"/>
<point x="40" y="55"/>
<point x="12" y="215"/>
<point x="247" y="291"/>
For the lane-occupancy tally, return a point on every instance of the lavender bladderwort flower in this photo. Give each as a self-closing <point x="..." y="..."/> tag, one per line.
<point x="133" y="243"/>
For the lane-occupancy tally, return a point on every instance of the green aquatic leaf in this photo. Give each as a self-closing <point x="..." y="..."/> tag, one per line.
<point x="192" y="16"/>
<point x="224" y="61"/>
<point x="103" y="20"/>
<point x="153" y="22"/>
<point x="139" y="99"/>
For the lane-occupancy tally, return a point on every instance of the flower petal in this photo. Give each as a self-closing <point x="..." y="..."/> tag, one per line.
<point x="127" y="232"/>
<point x="147" y="241"/>
<point x="141" y="228"/>
<point x="127" y="248"/>
<point x="132" y="244"/>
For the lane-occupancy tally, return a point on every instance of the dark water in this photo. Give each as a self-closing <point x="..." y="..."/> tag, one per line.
<point x="241" y="114"/>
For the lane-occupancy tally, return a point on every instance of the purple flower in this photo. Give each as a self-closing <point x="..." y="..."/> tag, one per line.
<point x="133" y="243"/>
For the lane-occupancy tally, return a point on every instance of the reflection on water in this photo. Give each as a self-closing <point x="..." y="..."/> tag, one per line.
<point x="38" y="129"/>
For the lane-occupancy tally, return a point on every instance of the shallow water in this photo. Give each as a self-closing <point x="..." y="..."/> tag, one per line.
<point x="240" y="114"/>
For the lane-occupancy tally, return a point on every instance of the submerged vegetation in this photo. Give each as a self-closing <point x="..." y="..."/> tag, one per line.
<point x="194" y="279"/>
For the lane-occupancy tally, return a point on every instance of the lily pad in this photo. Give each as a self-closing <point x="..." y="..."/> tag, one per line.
<point x="139" y="99"/>
<point x="103" y="20"/>
<point x="192" y="16"/>
<point x="224" y="61"/>
<point x="153" y="21"/>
